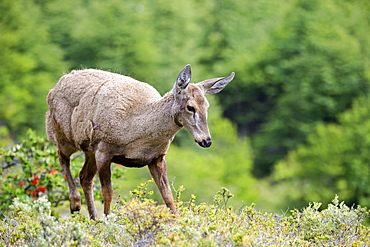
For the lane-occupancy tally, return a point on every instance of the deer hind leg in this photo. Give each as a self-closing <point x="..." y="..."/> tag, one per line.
<point x="74" y="195"/>
<point x="86" y="176"/>
<point x="158" y="171"/>
<point x="103" y="162"/>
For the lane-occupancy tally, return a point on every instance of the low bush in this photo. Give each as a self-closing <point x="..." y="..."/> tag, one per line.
<point x="30" y="170"/>
<point x="141" y="222"/>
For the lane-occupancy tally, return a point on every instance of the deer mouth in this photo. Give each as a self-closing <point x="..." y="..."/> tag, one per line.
<point x="205" y="143"/>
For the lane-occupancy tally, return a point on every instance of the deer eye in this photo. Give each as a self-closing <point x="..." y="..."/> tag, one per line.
<point x="190" y="108"/>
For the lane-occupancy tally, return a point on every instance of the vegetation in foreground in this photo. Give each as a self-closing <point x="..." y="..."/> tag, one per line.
<point x="32" y="186"/>
<point x="141" y="222"/>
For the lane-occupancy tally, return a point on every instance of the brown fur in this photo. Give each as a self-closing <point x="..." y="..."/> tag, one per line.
<point x="114" y="118"/>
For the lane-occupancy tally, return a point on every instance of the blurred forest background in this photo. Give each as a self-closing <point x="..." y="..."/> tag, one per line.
<point x="293" y="126"/>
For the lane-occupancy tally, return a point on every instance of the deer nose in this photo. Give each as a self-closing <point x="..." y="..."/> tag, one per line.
<point x="205" y="143"/>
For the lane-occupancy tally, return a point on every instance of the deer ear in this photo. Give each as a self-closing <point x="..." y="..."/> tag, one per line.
<point x="183" y="78"/>
<point x="215" y="85"/>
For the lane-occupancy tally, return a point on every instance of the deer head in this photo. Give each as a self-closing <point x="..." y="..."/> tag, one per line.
<point x="191" y="105"/>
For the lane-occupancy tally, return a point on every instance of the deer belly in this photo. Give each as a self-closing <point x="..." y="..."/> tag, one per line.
<point x="122" y="160"/>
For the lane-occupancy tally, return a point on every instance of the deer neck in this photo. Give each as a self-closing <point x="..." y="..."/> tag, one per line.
<point x="162" y="116"/>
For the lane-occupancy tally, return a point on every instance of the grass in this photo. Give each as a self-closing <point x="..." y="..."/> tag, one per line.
<point x="143" y="222"/>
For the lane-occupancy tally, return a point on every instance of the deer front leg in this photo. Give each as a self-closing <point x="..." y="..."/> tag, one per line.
<point x="103" y="162"/>
<point x="158" y="171"/>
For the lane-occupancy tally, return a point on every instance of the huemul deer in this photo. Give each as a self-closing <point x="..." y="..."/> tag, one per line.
<point x="114" y="118"/>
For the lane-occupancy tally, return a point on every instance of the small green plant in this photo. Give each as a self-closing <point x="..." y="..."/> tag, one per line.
<point x="222" y="198"/>
<point x="141" y="192"/>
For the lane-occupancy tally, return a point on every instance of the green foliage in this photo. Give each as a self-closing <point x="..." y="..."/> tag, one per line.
<point x="31" y="169"/>
<point x="4" y="136"/>
<point x="142" y="222"/>
<point x="310" y="68"/>
<point x="113" y="36"/>
<point x="323" y="227"/>
<point x="335" y="160"/>
<point x="32" y="224"/>
<point x="29" y="63"/>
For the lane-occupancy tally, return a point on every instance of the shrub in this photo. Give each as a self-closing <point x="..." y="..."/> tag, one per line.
<point x="140" y="222"/>
<point x="31" y="169"/>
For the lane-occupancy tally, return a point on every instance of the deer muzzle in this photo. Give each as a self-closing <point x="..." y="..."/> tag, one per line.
<point x="205" y="143"/>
